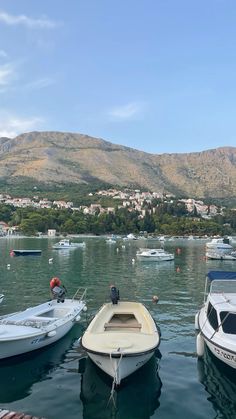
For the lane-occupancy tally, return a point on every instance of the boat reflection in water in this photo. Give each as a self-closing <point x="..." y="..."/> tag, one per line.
<point x="219" y="381"/>
<point x="18" y="374"/>
<point x="137" y="397"/>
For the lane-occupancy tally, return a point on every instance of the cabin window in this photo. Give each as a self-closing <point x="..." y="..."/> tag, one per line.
<point x="212" y="316"/>
<point x="228" y="322"/>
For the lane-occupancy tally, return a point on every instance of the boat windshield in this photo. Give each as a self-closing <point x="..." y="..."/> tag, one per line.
<point x="224" y="286"/>
<point x="228" y="322"/>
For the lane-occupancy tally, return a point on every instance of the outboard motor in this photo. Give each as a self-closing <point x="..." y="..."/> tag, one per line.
<point x="114" y="294"/>
<point x="59" y="293"/>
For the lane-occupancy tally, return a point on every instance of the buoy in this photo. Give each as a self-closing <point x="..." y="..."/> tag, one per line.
<point x="196" y="322"/>
<point x="178" y="250"/>
<point x="12" y="253"/>
<point x="178" y="269"/>
<point x="117" y="249"/>
<point x="85" y="309"/>
<point x="155" y="298"/>
<point x="133" y="260"/>
<point x="200" y="346"/>
<point x="51" y="333"/>
<point x="50" y="260"/>
<point x="8" y="266"/>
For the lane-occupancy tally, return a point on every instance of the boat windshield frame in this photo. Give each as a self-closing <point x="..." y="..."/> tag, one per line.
<point x="220" y="282"/>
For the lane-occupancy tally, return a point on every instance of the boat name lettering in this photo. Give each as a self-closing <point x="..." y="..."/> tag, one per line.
<point x="225" y="355"/>
<point x="35" y="341"/>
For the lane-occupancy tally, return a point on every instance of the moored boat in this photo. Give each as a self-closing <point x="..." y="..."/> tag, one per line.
<point x="25" y="252"/>
<point x="219" y="244"/>
<point x="216" y="320"/>
<point x="157" y="255"/>
<point x="218" y="255"/>
<point x="67" y="244"/>
<point x="39" y="326"/>
<point x="121" y="338"/>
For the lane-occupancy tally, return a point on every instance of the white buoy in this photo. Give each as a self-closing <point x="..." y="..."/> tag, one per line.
<point x="200" y="345"/>
<point x="85" y="309"/>
<point x="196" y="322"/>
<point x="50" y="260"/>
<point x="133" y="260"/>
<point x="8" y="266"/>
<point x="78" y="318"/>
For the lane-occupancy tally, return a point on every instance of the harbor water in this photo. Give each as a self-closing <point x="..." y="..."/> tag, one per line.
<point x="60" y="382"/>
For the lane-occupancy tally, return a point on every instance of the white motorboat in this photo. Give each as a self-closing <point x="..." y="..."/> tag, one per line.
<point x="110" y="241"/>
<point x="121" y="338"/>
<point x="39" y="326"/>
<point x="1" y="298"/>
<point x="219" y="244"/>
<point x="157" y="255"/>
<point x="67" y="244"/>
<point x="216" y="320"/>
<point x="219" y="255"/>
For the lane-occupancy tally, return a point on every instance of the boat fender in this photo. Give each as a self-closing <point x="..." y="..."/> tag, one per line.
<point x="51" y="333"/>
<point x="200" y="346"/>
<point x="78" y="318"/>
<point x="196" y="322"/>
<point x="85" y="309"/>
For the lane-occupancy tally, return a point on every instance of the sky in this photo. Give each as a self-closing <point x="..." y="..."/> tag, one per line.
<point x="155" y="75"/>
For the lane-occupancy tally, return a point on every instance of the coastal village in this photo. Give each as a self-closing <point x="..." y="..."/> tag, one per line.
<point x="134" y="200"/>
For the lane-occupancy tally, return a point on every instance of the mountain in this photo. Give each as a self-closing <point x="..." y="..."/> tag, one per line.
<point x="55" y="158"/>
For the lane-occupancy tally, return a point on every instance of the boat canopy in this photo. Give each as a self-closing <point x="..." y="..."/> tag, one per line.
<point x="221" y="275"/>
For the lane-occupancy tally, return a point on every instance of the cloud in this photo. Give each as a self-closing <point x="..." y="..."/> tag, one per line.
<point x="3" y="53"/>
<point x="11" y="125"/>
<point x="6" y="74"/>
<point x="39" y="84"/>
<point x="126" y="112"/>
<point x="26" y="21"/>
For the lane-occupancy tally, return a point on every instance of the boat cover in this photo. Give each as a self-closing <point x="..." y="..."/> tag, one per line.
<point x="213" y="275"/>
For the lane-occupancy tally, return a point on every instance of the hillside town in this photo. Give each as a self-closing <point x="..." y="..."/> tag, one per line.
<point x="134" y="200"/>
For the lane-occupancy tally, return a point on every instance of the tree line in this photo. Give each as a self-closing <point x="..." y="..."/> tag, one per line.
<point x="168" y="219"/>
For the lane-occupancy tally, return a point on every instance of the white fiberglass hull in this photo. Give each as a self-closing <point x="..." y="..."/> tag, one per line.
<point x="223" y="348"/>
<point x="122" y="367"/>
<point x="37" y="326"/>
<point x="19" y="346"/>
<point x="155" y="258"/>
<point x="121" y="338"/>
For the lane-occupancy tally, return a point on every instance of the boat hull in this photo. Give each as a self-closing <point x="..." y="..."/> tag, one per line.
<point x="20" y="346"/>
<point x="226" y="356"/>
<point x="120" y="367"/>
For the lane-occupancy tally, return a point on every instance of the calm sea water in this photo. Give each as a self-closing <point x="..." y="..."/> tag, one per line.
<point x="60" y="382"/>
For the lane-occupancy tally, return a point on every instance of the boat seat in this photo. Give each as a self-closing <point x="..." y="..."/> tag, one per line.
<point x="122" y="325"/>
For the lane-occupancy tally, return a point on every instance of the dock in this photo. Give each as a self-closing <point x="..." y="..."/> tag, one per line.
<point x="7" y="414"/>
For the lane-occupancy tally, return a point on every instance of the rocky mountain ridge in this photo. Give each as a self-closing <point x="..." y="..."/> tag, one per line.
<point x="57" y="158"/>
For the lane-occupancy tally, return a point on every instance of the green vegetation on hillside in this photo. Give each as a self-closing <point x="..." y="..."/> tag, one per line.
<point x="169" y="219"/>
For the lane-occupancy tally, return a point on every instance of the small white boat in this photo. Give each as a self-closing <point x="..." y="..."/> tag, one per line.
<point x="110" y="241"/>
<point x="218" y="255"/>
<point x="67" y="244"/>
<point x="216" y="320"/>
<point x="157" y="255"/>
<point x="39" y="326"/>
<point x="219" y="244"/>
<point x="1" y="298"/>
<point x="121" y="338"/>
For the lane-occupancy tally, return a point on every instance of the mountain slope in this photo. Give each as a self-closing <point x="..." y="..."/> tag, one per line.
<point x="56" y="157"/>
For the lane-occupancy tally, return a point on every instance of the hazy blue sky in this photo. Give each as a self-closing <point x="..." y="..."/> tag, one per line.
<point x="154" y="75"/>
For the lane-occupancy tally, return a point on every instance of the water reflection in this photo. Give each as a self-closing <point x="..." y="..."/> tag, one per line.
<point x="138" y="396"/>
<point x="18" y="374"/>
<point x="220" y="382"/>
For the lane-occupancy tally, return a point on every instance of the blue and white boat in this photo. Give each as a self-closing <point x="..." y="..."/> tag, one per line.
<point x="216" y="320"/>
